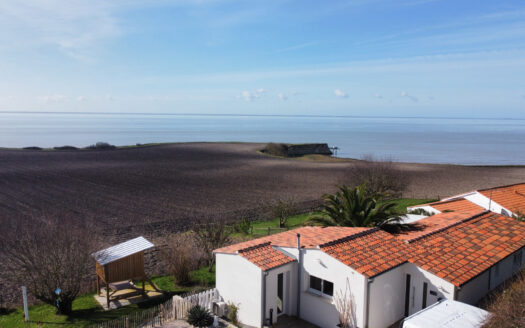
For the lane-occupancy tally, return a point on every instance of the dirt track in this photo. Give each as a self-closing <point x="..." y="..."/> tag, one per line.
<point x="181" y="182"/>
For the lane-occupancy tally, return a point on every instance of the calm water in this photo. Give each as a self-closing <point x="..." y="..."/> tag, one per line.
<point x="463" y="141"/>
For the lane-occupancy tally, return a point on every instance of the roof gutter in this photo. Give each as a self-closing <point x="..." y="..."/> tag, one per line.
<point x="299" y="275"/>
<point x="368" y="283"/>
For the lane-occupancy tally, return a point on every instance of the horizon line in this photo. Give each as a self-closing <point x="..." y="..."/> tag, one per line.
<point x="259" y="115"/>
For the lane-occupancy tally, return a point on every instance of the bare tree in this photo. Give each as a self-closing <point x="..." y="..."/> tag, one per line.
<point x="383" y="178"/>
<point x="283" y="209"/>
<point x="53" y="254"/>
<point x="344" y="303"/>
<point x="181" y="255"/>
<point x="210" y="236"/>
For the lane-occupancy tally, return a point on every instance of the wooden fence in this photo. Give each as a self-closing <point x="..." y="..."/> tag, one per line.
<point x="152" y="317"/>
<point x="175" y="308"/>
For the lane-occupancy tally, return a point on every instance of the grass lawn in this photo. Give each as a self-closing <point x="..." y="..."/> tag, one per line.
<point x="260" y="228"/>
<point x="87" y="312"/>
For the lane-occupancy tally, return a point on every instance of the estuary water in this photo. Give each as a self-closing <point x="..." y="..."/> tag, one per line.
<point x="423" y="140"/>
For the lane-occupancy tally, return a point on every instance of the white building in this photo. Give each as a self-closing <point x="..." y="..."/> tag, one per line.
<point x="301" y="272"/>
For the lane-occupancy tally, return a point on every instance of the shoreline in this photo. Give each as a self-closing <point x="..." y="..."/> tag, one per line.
<point x="306" y="158"/>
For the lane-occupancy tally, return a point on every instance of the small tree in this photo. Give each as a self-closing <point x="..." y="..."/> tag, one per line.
<point x="210" y="236"/>
<point x="53" y="254"/>
<point x="283" y="209"/>
<point x="382" y="177"/>
<point x="344" y="304"/>
<point x="199" y="317"/>
<point x="180" y="255"/>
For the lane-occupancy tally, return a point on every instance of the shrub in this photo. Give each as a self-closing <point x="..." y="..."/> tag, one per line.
<point x="383" y="178"/>
<point x="276" y="149"/>
<point x="180" y="256"/>
<point x="101" y="146"/>
<point x="199" y="317"/>
<point x="233" y="314"/>
<point x="283" y="209"/>
<point x="210" y="236"/>
<point x="65" y="148"/>
<point x="508" y="307"/>
<point x="32" y="148"/>
<point x="245" y="226"/>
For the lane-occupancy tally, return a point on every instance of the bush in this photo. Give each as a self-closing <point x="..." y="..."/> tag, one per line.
<point x="32" y="148"/>
<point x="508" y="307"/>
<point x="245" y="226"/>
<point x="199" y="317"/>
<point x="101" y="146"/>
<point x="383" y="178"/>
<point x="276" y="149"/>
<point x="233" y="314"/>
<point x="421" y="211"/>
<point x="181" y="256"/>
<point x="65" y="148"/>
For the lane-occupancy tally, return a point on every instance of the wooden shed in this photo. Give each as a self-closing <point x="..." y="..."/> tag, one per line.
<point x="120" y="264"/>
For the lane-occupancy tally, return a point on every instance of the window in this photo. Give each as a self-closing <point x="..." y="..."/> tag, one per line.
<point x="321" y="287"/>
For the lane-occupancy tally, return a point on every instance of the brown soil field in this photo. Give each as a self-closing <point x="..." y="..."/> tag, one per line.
<point x="179" y="183"/>
<point x="147" y="190"/>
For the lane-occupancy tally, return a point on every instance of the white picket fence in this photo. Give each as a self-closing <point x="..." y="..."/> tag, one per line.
<point x="204" y="299"/>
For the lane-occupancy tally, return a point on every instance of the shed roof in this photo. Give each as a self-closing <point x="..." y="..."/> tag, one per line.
<point x="511" y="197"/>
<point x="122" y="250"/>
<point x="265" y="256"/>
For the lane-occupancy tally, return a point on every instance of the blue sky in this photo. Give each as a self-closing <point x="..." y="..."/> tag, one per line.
<point x="354" y="57"/>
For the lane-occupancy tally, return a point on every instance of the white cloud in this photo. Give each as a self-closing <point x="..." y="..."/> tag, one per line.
<point x="110" y="97"/>
<point x="404" y="94"/>
<point x="282" y="96"/>
<point x="378" y="96"/>
<point x="81" y="98"/>
<point x="340" y="93"/>
<point x="251" y="96"/>
<point x="52" y="98"/>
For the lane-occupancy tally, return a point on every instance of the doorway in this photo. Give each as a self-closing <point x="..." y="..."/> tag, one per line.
<point x="280" y="293"/>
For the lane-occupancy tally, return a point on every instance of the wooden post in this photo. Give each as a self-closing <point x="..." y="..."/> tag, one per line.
<point x="98" y="285"/>
<point x="107" y="294"/>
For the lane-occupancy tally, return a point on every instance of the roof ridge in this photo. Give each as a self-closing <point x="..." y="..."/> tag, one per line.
<point x="349" y="237"/>
<point x="505" y="186"/>
<point x="251" y="248"/>
<point x="447" y="227"/>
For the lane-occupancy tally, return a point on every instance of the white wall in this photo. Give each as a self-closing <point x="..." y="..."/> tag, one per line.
<point x="474" y="290"/>
<point x="290" y="290"/>
<point x="387" y="293"/>
<point x="483" y="201"/>
<point x="320" y="310"/>
<point x="240" y="282"/>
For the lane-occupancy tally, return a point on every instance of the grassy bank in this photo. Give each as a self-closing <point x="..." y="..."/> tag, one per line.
<point x="87" y="312"/>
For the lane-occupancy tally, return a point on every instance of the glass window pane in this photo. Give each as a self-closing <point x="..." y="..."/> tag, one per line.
<point x="328" y="288"/>
<point x="315" y="283"/>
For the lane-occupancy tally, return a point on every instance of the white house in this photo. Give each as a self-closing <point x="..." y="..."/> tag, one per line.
<point x="507" y="200"/>
<point x="301" y="272"/>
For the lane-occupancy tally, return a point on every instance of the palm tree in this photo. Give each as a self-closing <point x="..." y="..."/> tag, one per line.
<point x="354" y="208"/>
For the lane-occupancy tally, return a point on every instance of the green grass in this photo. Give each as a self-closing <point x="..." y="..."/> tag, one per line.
<point x="87" y="312"/>
<point x="260" y="228"/>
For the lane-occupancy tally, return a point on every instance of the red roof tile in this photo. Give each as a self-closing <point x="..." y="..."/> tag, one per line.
<point x="369" y="253"/>
<point x="311" y="237"/>
<point x="467" y="249"/>
<point x="436" y="223"/>
<point x="511" y="197"/>
<point x="453" y="205"/>
<point x="265" y="256"/>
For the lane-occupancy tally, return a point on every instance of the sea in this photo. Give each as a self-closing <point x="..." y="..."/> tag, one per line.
<point x="406" y="139"/>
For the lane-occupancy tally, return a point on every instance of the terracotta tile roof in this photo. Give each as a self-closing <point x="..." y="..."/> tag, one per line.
<point x="311" y="237"/>
<point x="464" y="251"/>
<point x="460" y="204"/>
<point x="370" y="253"/>
<point x="436" y="223"/>
<point x="457" y="205"/>
<point x="265" y="256"/>
<point x="511" y="197"/>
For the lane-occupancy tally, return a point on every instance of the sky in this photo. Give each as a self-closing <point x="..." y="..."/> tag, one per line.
<point x="424" y="58"/>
